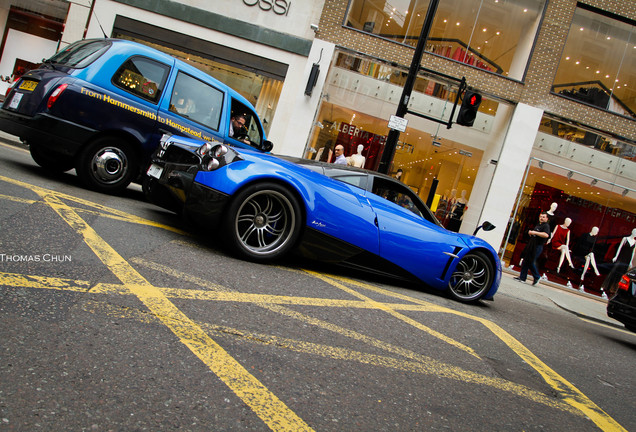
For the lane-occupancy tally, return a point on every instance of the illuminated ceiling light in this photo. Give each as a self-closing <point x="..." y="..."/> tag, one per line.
<point x="581" y="29"/>
<point x="609" y="38"/>
<point x="567" y="58"/>
<point x="577" y="62"/>
<point x="484" y="29"/>
<point x="457" y="24"/>
<point x="525" y="10"/>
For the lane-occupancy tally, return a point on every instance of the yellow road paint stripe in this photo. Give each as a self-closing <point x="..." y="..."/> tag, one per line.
<point x="396" y="314"/>
<point x="104" y="211"/>
<point x="157" y="300"/>
<point x="42" y="282"/>
<point x="263" y="402"/>
<point x="568" y="391"/>
<point x="432" y="367"/>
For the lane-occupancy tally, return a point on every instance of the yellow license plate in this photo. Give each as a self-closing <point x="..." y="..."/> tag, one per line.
<point x="28" y="85"/>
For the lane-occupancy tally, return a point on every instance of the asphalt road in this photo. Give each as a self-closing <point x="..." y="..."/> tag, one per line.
<point x="114" y="315"/>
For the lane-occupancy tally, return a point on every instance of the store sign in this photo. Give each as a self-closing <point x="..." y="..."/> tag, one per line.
<point x="279" y="7"/>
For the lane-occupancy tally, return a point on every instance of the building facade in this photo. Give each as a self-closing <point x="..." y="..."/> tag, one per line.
<point x="555" y="129"/>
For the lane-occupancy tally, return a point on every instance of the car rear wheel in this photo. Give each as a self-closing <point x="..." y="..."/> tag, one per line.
<point x="49" y="161"/>
<point x="472" y="277"/>
<point x="107" y="165"/>
<point x="263" y="222"/>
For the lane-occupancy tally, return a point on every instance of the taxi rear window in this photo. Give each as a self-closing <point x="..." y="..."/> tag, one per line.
<point x="80" y="54"/>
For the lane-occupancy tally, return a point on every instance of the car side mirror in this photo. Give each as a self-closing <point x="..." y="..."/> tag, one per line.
<point x="267" y="146"/>
<point x="486" y="226"/>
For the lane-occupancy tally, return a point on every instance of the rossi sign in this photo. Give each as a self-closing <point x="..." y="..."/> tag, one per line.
<point x="279" y="7"/>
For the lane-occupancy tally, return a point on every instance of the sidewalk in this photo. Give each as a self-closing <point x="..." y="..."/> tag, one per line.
<point x="582" y="304"/>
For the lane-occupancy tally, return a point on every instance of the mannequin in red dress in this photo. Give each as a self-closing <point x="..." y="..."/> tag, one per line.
<point x="561" y="241"/>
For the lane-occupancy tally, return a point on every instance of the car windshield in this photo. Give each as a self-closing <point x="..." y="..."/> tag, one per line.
<point x="79" y="54"/>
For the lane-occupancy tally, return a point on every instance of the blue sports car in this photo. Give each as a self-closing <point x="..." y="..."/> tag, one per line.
<point x="268" y="206"/>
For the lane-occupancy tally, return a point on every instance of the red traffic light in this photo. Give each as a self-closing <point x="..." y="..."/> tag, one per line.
<point x="468" y="110"/>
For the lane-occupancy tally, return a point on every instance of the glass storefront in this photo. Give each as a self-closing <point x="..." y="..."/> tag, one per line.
<point x="590" y="187"/>
<point x="360" y="95"/>
<point x="597" y="64"/>
<point x="492" y="35"/>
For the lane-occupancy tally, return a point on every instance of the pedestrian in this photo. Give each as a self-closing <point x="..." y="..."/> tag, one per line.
<point x="340" y="157"/>
<point x="538" y="237"/>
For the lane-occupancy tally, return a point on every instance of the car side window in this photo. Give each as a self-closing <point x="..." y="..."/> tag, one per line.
<point x="142" y="77"/>
<point x="197" y="100"/>
<point x="252" y="126"/>
<point x="396" y="193"/>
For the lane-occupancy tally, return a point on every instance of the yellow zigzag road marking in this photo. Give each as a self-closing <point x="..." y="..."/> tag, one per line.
<point x="388" y="309"/>
<point x="263" y="402"/>
<point x="271" y="410"/>
<point x="430" y="367"/>
<point x="104" y="211"/>
<point x="568" y="391"/>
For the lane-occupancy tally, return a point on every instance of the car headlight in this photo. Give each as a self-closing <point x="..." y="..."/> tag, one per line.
<point x="212" y="155"/>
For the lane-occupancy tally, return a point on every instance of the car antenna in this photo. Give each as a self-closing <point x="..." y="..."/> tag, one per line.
<point x="98" y="23"/>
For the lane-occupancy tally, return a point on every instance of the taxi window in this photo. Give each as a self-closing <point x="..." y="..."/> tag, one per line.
<point x="142" y="77"/>
<point x="197" y="100"/>
<point x="79" y="54"/>
<point x="252" y="126"/>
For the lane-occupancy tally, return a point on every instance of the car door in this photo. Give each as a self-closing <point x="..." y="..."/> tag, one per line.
<point x="407" y="238"/>
<point x="193" y="108"/>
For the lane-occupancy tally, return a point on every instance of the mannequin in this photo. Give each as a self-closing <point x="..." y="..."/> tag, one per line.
<point x="587" y="244"/>
<point x="356" y="159"/>
<point x="462" y="199"/>
<point x="622" y="261"/>
<point x="551" y="215"/>
<point x="561" y="241"/>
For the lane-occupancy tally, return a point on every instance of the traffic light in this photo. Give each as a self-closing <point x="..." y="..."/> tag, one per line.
<point x="468" y="111"/>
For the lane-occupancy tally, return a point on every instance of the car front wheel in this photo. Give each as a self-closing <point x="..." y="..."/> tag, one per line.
<point x="472" y="277"/>
<point x="107" y="165"/>
<point x="263" y="222"/>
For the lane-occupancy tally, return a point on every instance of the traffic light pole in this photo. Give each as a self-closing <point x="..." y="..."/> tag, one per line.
<point x="394" y="135"/>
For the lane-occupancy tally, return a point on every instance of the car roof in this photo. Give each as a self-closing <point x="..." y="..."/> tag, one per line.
<point x="187" y="67"/>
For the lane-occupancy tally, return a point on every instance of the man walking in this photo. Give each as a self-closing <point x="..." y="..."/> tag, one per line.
<point x="538" y="237"/>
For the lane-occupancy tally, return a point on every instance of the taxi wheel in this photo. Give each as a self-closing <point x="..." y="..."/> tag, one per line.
<point x="107" y="165"/>
<point x="50" y="161"/>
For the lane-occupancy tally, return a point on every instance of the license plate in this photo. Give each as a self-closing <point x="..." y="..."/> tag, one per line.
<point x="155" y="171"/>
<point x="28" y="85"/>
<point x="15" y="101"/>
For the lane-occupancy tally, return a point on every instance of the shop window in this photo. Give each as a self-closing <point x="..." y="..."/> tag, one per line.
<point x="596" y="66"/>
<point x="142" y="77"/>
<point x="496" y="36"/>
<point x="197" y="101"/>
<point x="589" y="211"/>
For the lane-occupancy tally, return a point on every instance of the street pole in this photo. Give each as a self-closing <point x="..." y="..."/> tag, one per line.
<point x="394" y="135"/>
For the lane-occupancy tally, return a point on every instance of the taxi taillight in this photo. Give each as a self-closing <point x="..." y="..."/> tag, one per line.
<point x="623" y="284"/>
<point x="56" y="94"/>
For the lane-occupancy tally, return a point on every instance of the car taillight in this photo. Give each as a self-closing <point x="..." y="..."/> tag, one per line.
<point x="56" y="94"/>
<point x="623" y="284"/>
